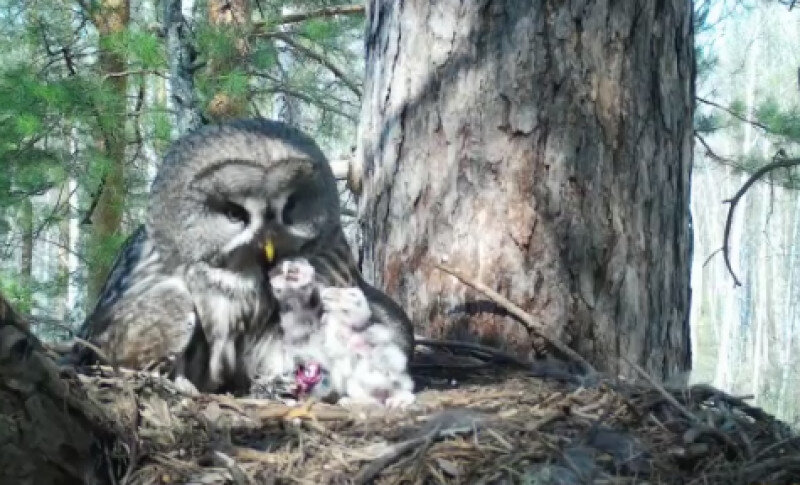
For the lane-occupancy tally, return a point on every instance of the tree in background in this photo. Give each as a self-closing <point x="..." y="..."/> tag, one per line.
<point x="91" y="92"/>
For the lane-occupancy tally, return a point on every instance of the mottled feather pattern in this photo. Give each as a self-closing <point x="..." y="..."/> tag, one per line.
<point x="191" y="285"/>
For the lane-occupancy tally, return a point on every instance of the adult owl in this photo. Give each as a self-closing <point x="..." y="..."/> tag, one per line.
<point x="228" y="203"/>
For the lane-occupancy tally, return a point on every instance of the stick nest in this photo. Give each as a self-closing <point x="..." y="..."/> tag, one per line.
<point x="480" y="424"/>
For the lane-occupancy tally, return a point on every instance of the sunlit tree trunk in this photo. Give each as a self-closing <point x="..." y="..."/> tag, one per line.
<point x="236" y="16"/>
<point x="181" y="57"/>
<point x="110" y="18"/>
<point x="545" y="149"/>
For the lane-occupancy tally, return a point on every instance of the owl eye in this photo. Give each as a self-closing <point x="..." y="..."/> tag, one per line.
<point x="236" y="213"/>
<point x="288" y="215"/>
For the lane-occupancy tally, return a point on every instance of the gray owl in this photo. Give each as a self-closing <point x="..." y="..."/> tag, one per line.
<point x="228" y="203"/>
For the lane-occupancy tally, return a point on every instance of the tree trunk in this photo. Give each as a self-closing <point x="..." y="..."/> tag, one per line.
<point x="26" y="266"/>
<point x="181" y="58"/>
<point x="545" y="149"/>
<point x="234" y="15"/>
<point x="111" y="19"/>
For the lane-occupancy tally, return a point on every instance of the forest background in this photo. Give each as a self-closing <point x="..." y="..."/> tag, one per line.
<point x="92" y="92"/>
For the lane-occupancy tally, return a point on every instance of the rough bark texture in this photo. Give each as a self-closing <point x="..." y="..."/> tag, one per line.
<point x="545" y="149"/>
<point x="181" y="57"/>
<point x="49" y="432"/>
<point x="111" y="18"/>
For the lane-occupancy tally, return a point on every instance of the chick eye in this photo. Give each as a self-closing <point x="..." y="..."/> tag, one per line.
<point x="236" y="213"/>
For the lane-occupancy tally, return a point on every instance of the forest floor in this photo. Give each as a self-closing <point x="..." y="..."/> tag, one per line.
<point x="473" y="422"/>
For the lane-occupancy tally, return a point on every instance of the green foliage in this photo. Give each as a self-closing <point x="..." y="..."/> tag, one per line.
<point x="216" y="42"/>
<point x="708" y="123"/>
<point x="19" y="295"/>
<point x="59" y="112"/>
<point x="140" y="48"/>
<point x="780" y="121"/>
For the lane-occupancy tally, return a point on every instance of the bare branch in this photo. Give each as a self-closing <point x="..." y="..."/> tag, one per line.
<point x="523" y="316"/>
<point x="310" y="100"/>
<point x="310" y="53"/>
<point x="109" y="75"/>
<point x="669" y="397"/>
<point x="294" y="18"/>
<point x="711" y="153"/>
<point x="778" y="161"/>
<point x="733" y="113"/>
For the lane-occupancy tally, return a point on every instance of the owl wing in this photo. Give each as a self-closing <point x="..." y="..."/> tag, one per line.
<point x="117" y="283"/>
<point x="143" y="314"/>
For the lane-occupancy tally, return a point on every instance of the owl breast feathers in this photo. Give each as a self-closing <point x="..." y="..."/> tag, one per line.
<point x="191" y="285"/>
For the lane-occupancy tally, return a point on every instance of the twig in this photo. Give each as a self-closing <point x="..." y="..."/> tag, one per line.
<point x="778" y="161"/>
<point x="109" y="75"/>
<point x="322" y="12"/>
<point x="708" y="259"/>
<point x="669" y="397"/>
<point x="100" y="354"/>
<point x="376" y="466"/>
<point x="711" y="153"/>
<point x="733" y="113"/>
<point x="523" y="316"/>
<point x="294" y="18"/>
<point x="287" y="39"/>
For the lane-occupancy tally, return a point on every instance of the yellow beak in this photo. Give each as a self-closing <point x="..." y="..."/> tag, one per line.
<point x="269" y="250"/>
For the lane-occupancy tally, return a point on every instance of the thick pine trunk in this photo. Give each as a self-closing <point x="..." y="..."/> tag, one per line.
<point x="543" y="148"/>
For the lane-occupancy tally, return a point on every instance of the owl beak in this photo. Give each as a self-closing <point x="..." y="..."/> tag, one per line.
<point x="269" y="251"/>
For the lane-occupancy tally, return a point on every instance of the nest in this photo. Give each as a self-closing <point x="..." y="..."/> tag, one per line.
<point x="473" y="423"/>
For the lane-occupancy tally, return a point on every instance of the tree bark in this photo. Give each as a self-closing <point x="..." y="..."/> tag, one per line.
<point x="545" y="149"/>
<point x="26" y="266"/>
<point x="181" y="57"/>
<point x="111" y="19"/>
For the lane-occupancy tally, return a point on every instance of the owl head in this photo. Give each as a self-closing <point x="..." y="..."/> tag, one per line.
<point x="241" y="195"/>
<point x="292" y="282"/>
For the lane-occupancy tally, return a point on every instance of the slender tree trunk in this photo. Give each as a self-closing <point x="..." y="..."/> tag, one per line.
<point x="234" y="15"/>
<point x="545" y="149"/>
<point x="181" y="57"/>
<point x="111" y="19"/>
<point x="26" y="266"/>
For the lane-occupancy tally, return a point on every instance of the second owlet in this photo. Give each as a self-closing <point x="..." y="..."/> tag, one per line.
<point x="191" y="285"/>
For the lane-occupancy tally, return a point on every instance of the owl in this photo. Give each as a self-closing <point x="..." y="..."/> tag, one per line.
<point x="297" y="298"/>
<point x="228" y="204"/>
<point x="366" y="364"/>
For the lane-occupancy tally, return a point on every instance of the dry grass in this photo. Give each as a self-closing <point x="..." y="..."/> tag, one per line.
<point x="495" y="426"/>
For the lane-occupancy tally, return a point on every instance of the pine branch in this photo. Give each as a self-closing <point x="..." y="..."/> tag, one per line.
<point x="310" y="100"/>
<point x="310" y="53"/>
<point x="736" y="115"/>
<point x="294" y="18"/>
<point x="110" y="75"/>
